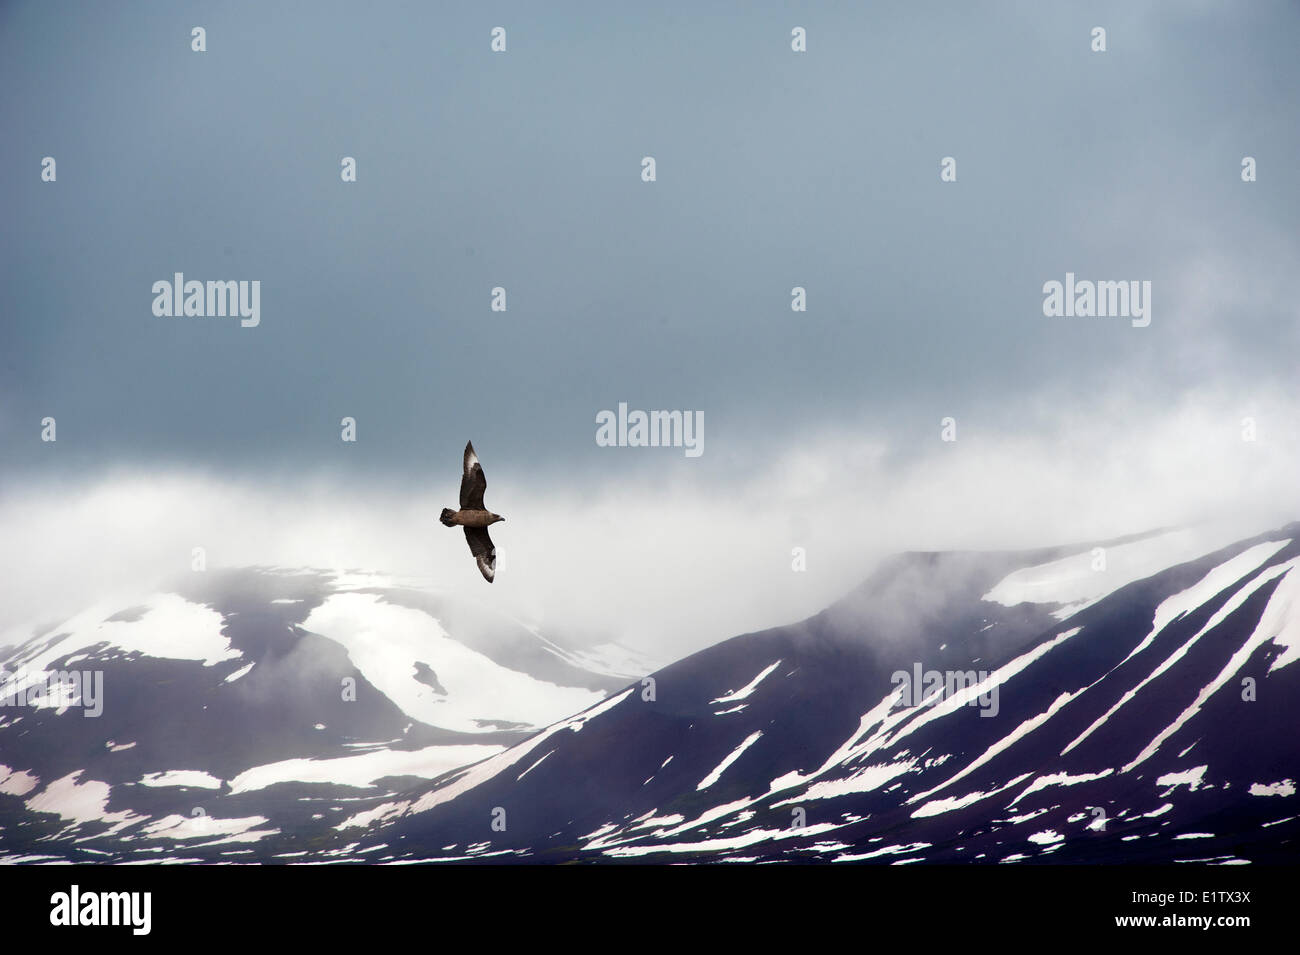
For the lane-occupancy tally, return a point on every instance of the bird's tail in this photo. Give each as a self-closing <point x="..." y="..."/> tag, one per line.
<point x="447" y="515"/>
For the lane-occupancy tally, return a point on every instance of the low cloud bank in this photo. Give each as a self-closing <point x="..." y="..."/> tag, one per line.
<point x="671" y="565"/>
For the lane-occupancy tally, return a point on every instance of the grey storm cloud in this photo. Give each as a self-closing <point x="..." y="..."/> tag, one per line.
<point x="522" y="170"/>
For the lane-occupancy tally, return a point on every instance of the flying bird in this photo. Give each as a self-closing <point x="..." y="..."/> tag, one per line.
<point x="473" y="516"/>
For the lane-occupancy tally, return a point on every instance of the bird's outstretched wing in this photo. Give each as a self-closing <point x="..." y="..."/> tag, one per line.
<point x="480" y="545"/>
<point x="473" y="483"/>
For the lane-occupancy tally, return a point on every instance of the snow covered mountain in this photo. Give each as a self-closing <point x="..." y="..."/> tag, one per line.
<point x="1130" y="702"/>
<point x="235" y="682"/>
<point x="1135" y="703"/>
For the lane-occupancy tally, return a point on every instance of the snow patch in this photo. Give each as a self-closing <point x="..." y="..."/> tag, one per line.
<point x="1071" y="580"/>
<point x="386" y="642"/>
<point x="15" y="783"/>
<point x="365" y="769"/>
<point x="182" y="777"/>
<point x="735" y="754"/>
<point x="1285" y="788"/>
<point x="1191" y="778"/>
<point x="735" y="696"/>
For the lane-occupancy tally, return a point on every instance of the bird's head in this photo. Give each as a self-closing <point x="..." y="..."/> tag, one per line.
<point x="497" y="518"/>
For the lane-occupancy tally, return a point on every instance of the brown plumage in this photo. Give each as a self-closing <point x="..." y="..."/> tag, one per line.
<point x="473" y="516"/>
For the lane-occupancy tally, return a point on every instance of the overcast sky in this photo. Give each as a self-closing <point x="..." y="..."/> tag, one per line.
<point x="522" y="169"/>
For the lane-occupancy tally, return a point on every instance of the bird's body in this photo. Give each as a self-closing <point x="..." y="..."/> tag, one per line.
<point x="466" y="517"/>
<point x="473" y="516"/>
